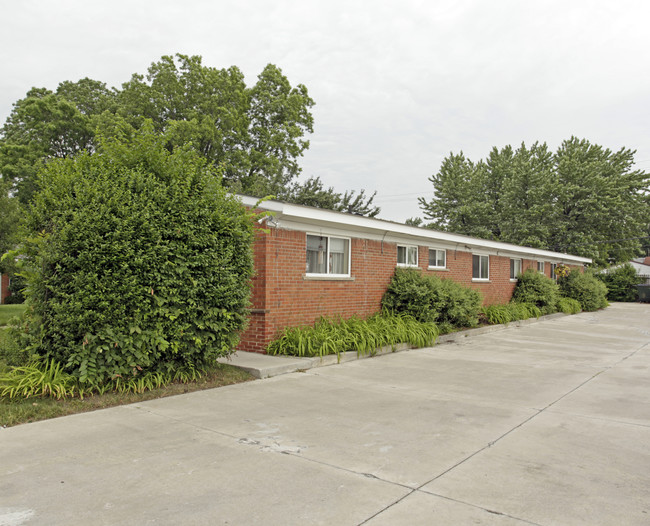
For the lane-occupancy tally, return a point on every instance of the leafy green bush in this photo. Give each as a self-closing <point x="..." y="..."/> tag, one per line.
<point x="431" y="299"/>
<point x="568" y="306"/>
<point x="621" y="283"/>
<point x="140" y="262"/>
<point x="501" y="314"/>
<point x="363" y="336"/>
<point x="537" y="289"/>
<point x="590" y="292"/>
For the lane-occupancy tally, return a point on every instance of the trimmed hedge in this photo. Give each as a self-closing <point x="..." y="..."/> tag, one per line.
<point x="431" y="299"/>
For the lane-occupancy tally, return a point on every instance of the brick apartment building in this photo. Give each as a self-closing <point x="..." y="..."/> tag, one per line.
<point x="312" y="262"/>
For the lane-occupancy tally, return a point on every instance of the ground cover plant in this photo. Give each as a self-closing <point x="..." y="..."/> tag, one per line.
<point x="503" y="314"/>
<point x="137" y="263"/>
<point x="23" y="410"/>
<point x="354" y="334"/>
<point x="431" y="299"/>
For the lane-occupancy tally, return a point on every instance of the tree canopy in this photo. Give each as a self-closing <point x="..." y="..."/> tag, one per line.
<point x="256" y="133"/>
<point x="583" y="199"/>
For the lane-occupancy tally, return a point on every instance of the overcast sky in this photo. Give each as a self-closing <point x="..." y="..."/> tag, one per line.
<point x="397" y="85"/>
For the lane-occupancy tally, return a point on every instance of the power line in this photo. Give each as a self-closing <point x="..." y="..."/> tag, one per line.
<point x="604" y="242"/>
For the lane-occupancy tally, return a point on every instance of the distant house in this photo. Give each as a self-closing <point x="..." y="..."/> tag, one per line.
<point x="642" y="267"/>
<point x="311" y="262"/>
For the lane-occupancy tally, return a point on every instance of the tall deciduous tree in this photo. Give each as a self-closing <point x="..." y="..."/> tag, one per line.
<point x="313" y="193"/>
<point x="583" y="199"/>
<point x="41" y="127"/>
<point x="10" y="211"/>
<point x="256" y="134"/>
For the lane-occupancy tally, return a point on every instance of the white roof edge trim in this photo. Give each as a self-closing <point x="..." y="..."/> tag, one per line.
<point x="354" y="222"/>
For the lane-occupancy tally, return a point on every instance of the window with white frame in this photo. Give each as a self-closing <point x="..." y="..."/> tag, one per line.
<point x="553" y="275"/>
<point x="328" y="255"/>
<point x="515" y="268"/>
<point x="480" y="267"/>
<point x="437" y="258"/>
<point x="540" y="267"/>
<point x="407" y="256"/>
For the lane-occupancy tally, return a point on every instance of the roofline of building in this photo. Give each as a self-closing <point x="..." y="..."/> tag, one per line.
<point x="353" y="222"/>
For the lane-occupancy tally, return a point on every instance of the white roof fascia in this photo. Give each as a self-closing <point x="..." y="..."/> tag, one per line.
<point x="298" y="217"/>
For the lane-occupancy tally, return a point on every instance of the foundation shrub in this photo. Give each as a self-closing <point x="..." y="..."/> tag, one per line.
<point x="137" y="262"/>
<point x="431" y="299"/>
<point x="586" y="289"/>
<point x="621" y="283"/>
<point x="536" y="289"/>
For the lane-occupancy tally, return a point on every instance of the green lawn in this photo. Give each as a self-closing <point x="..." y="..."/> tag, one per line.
<point x="9" y="311"/>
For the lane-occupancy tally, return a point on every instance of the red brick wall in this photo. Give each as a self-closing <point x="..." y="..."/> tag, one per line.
<point x="4" y="287"/>
<point x="283" y="297"/>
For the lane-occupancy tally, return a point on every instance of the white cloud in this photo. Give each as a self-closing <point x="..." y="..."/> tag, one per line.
<point x="398" y="85"/>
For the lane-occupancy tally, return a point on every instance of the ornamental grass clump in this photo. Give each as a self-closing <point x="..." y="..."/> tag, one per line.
<point x="503" y="314"/>
<point x="568" y="306"/>
<point x="354" y="334"/>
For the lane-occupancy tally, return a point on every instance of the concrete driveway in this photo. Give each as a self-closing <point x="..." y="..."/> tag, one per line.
<point x="544" y="424"/>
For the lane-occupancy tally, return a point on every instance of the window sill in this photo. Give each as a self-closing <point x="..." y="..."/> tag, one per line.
<point x="326" y="277"/>
<point x="439" y="269"/>
<point x="480" y="280"/>
<point x="402" y="265"/>
<point x="513" y="280"/>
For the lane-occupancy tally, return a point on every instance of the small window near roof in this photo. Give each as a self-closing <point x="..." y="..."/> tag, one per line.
<point x="407" y="256"/>
<point x="480" y="267"/>
<point x="515" y="268"/>
<point x="540" y="267"/>
<point x="437" y="258"/>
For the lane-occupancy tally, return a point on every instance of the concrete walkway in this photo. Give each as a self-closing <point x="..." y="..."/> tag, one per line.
<point x="548" y="423"/>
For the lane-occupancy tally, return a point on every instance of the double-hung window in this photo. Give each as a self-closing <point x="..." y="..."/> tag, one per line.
<point x="540" y="267"/>
<point x="328" y="255"/>
<point x="553" y="274"/>
<point x="407" y="256"/>
<point x="480" y="267"/>
<point x="437" y="258"/>
<point x="515" y="268"/>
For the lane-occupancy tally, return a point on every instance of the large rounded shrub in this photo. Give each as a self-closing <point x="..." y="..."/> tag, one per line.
<point x="431" y="299"/>
<point x="536" y="289"/>
<point x="590" y="292"/>
<point x="142" y="262"/>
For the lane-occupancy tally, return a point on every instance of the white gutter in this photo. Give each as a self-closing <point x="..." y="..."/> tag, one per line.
<point x="344" y="221"/>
